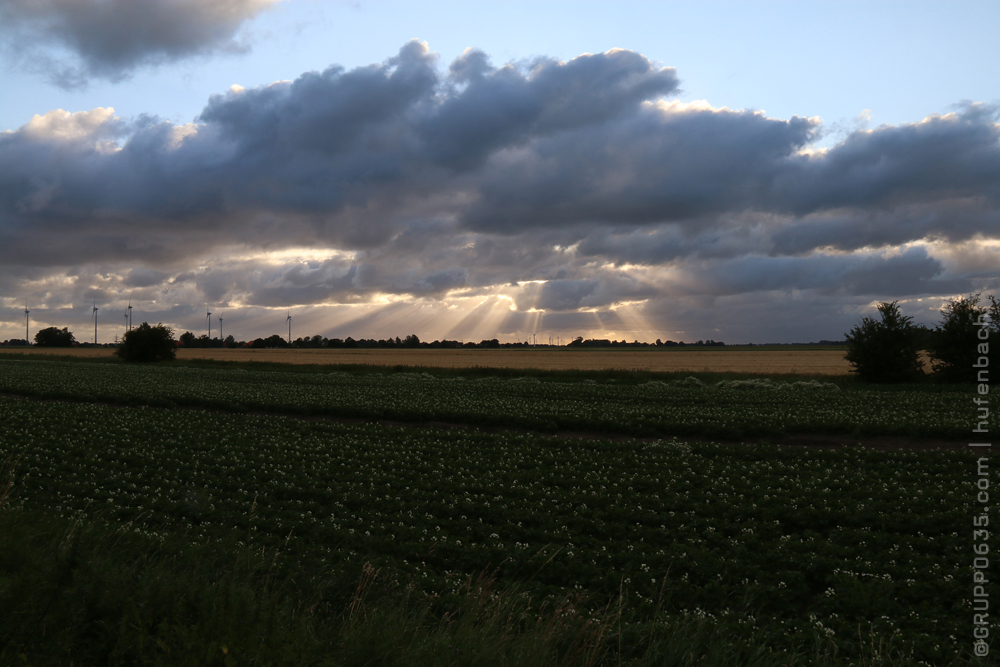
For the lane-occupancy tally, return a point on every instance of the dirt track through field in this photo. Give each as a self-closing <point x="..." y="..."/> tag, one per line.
<point x="769" y="362"/>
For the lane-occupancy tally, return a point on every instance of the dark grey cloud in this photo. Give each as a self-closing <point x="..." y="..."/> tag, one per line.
<point x="347" y="157"/>
<point x="909" y="273"/>
<point x="144" y="277"/>
<point x="73" y="41"/>
<point x="660" y="244"/>
<point x="653" y="165"/>
<point x="720" y="169"/>
<point x="487" y="109"/>
<point x="567" y="187"/>
<point x="556" y="295"/>
<point x="941" y="159"/>
<point x="955" y="220"/>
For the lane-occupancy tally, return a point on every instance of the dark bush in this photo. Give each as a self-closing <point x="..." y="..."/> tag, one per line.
<point x="53" y="337"/>
<point x="885" y="350"/>
<point x="955" y="342"/>
<point x="146" y="343"/>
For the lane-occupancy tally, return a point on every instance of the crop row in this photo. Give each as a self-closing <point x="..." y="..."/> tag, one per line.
<point x="682" y="408"/>
<point x="794" y="541"/>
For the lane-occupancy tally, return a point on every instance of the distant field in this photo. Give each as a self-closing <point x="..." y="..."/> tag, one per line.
<point x="809" y="361"/>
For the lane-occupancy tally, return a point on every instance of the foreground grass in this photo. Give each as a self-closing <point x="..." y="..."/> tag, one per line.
<point x="81" y="592"/>
<point x="782" y="551"/>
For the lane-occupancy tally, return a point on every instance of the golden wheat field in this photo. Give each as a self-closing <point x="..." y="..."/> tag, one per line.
<point x="804" y="361"/>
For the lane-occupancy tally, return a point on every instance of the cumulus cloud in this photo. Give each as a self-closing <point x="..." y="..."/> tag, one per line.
<point x="563" y="189"/>
<point x="73" y="41"/>
<point x="660" y="163"/>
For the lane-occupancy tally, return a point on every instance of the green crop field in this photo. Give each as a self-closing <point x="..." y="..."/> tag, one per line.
<point x="685" y="407"/>
<point x="862" y="554"/>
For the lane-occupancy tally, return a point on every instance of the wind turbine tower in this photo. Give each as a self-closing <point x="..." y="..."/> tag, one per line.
<point x="130" y="314"/>
<point x="95" y="322"/>
<point x="220" y="327"/>
<point x="208" y="314"/>
<point x="26" y="313"/>
<point x="289" y="320"/>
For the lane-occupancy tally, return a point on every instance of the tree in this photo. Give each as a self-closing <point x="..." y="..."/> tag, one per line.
<point x="954" y="342"/>
<point x="275" y="340"/>
<point x="994" y="313"/>
<point x="53" y="337"/>
<point x="146" y="343"/>
<point x="885" y="350"/>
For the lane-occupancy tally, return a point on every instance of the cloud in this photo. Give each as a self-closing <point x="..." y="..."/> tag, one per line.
<point x="556" y="295"/>
<point x="76" y="40"/>
<point x="343" y="157"/>
<point x="874" y="274"/>
<point x="572" y="190"/>
<point x="659" y="163"/>
<point x="942" y="158"/>
<point x="502" y="108"/>
<point x="143" y="277"/>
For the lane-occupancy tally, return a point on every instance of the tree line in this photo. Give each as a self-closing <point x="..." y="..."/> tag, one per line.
<point x="888" y="349"/>
<point x="55" y="337"/>
<point x="187" y="339"/>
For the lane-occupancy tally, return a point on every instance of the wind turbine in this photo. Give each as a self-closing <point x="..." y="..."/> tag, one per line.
<point x="126" y="323"/>
<point x="208" y="314"/>
<point x="220" y="328"/>
<point x="95" y="322"/>
<point x="130" y="314"/>
<point x="27" y="340"/>
<point x="289" y="320"/>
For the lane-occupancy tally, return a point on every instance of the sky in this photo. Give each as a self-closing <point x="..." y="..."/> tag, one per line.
<point x="749" y="172"/>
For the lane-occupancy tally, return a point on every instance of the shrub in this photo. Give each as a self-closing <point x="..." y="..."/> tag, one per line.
<point x="146" y="343"/>
<point x="885" y="350"/>
<point x="954" y="342"/>
<point x="53" y="337"/>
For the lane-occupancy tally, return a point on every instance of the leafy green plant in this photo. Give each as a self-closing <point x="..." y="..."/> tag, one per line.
<point x="682" y="407"/>
<point x="955" y="341"/>
<point x="54" y="337"/>
<point x="885" y="350"/>
<point x="148" y="343"/>
<point x="791" y="545"/>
